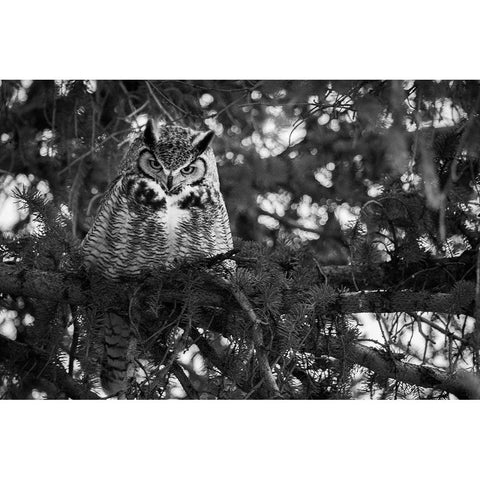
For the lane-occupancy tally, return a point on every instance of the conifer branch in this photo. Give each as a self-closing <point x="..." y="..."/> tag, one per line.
<point x="462" y="384"/>
<point x="218" y="361"/>
<point x="27" y="358"/>
<point x="402" y="301"/>
<point x="221" y="363"/>
<point x="476" y="313"/>
<point x="15" y="280"/>
<point x="257" y="335"/>
<point x="181" y="376"/>
<point x="429" y="273"/>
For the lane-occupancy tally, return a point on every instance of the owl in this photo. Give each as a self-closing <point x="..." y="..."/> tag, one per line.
<point x="165" y="205"/>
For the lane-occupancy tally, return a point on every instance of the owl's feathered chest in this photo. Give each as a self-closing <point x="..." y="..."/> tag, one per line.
<point x="140" y="228"/>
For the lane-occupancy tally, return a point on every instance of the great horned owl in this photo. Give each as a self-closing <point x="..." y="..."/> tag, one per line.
<point x="164" y="205"/>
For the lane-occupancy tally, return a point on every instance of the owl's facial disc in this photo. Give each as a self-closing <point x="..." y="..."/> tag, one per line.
<point x="190" y="174"/>
<point x="172" y="181"/>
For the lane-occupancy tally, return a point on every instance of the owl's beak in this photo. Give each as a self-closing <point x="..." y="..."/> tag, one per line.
<point x="169" y="182"/>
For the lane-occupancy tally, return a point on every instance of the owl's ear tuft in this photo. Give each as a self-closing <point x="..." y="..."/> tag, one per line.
<point x="202" y="141"/>
<point x="150" y="136"/>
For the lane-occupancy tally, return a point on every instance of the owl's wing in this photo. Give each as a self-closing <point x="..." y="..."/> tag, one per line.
<point x="223" y="233"/>
<point x="98" y="246"/>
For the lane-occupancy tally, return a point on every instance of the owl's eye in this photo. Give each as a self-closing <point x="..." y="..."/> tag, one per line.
<point x="188" y="170"/>
<point x="155" y="164"/>
<point x="147" y="158"/>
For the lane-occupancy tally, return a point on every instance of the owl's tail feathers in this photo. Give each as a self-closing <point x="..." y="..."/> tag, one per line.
<point x="116" y="359"/>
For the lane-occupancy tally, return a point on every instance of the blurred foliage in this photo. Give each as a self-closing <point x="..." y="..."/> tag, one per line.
<point x="310" y="153"/>
<point x="350" y="171"/>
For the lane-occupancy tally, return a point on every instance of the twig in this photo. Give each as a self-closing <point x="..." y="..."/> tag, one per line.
<point x="157" y="101"/>
<point x="221" y="257"/>
<point x="289" y="222"/>
<point x="174" y="105"/>
<point x="75" y="337"/>
<point x="177" y="370"/>
<point x="449" y="334"/>
<point x="218" y="360"/>
<point x="138" y="110"/>
<point x="38" y="363"/>
<point x="86" y="154"/>
<point x="231" y="104"/>
<point x="257" y="335"/>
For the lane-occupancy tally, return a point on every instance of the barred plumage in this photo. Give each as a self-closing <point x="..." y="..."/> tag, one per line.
<point x="164" y="205"/>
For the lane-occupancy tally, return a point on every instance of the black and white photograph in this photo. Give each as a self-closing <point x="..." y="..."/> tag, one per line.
<point x="239" y="240"/>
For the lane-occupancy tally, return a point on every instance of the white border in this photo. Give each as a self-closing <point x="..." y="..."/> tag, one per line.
<point x="218" y="39"/>
<point x="237" y="440"/>
<point x="295" y="39"/>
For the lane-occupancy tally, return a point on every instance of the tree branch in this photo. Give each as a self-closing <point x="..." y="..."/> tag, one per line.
<point x="289" y="222"/>
<point x="37" y="362"/>
<point x="17" y="281"/>
<point x="445" y="331"/>
<point x="402" y="301"/>
<point x="177" y="370"/>
<point x="219" y="361"/>
<point x="257" y="335"/>
<point x="430" y="273"/>
<point x="462" y="384"/>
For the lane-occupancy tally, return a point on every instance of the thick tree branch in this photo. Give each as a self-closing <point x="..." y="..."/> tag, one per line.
<point x="17" y="281"/>
<point x="439" y="274"/>
<point x="38" y="363"/>
<point x="257" y="336"/>
<point x="57" y="286"/>
<point x="402" y="301"/>
<point x="462" y="384"/>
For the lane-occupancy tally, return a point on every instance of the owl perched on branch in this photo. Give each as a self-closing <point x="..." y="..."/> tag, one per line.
<point x="165" y="205"/>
